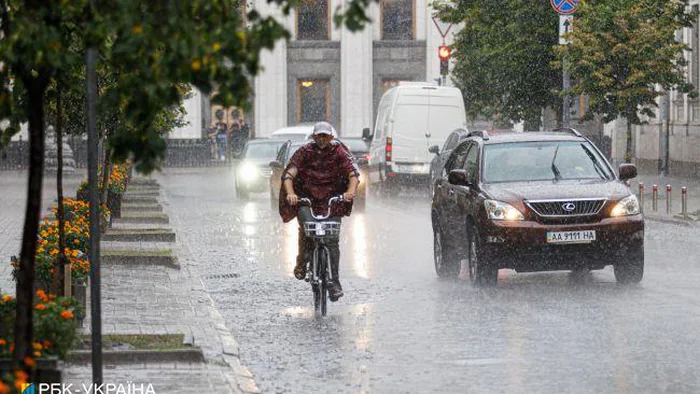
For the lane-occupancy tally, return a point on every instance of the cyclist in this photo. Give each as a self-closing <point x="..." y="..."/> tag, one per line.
<point x="318" y="171"/>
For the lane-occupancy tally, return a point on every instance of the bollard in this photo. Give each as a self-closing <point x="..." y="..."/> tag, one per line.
<point x="684" y="202"/>
<point x="668" y="199"/>
<point x="641" y="197"/>
<point x="654" y="198"/>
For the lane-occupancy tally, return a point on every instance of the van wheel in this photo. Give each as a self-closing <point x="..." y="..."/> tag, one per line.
<point x="631" y="269"/>
<point x="481" y="273"/>
<point x="446" y="262"/>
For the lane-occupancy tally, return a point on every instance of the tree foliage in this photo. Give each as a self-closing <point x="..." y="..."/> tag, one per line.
<point x="623" y="54"/>
<point x="504" y="57"/>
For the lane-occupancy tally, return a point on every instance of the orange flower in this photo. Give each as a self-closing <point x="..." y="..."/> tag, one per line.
<point x="28" y="361"/>
<point x="37" y="346"/>
<point x="40" y="307"/>
<point x="42" y="295"/>
<point x="3" y="342"/>
<point x="37" y="354"/>
<point x="7" y="298"/>
<point x="67" y="314"/>
<point x="47" y="344"/>
<point x="4" y="389"/>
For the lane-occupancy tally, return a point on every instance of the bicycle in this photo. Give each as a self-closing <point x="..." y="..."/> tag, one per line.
<point x="318" y="269"/>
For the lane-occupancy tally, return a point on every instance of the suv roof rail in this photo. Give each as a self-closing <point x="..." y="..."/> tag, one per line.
<point x="569" y="130"/>
<point x="479" y="133"/>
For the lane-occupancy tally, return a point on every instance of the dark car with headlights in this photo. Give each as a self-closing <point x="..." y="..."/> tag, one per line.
<point x="535" y="201"/>
<point x="252" y="172"/>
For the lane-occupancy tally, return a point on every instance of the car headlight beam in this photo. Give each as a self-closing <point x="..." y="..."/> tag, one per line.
<point x="625" y="207"/>
<point x="498" y="210"/>
<point x="248" y="172"/>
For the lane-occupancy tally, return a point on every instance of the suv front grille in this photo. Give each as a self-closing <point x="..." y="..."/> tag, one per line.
<point x="566" y="208"/>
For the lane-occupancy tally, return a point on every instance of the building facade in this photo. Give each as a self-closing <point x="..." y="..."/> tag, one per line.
<point x="329" y="73"/>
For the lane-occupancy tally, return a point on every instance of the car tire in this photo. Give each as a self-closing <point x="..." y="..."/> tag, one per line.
<point x="481" y="273"/>
<point x="446" y="262"/>
<point x="630" y="270"/>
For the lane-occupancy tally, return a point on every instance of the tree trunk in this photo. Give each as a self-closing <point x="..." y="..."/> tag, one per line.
<point x="628" y="150"/>
<point x="62" y="261"/>
<point x="24" y="324"/>
<point x="106" y="171"/>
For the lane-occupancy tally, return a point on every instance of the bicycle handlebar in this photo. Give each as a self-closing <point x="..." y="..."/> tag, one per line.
<point x="330" y="202"/>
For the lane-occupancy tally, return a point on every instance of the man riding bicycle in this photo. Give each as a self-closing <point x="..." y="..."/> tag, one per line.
<point x="318" y="171"/>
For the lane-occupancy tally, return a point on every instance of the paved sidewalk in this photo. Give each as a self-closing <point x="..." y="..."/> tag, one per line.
<point x="13" y="202"/>
<point x="140" y="299"/>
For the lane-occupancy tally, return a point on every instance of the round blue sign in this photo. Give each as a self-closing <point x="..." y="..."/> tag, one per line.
<point x="564" y="7"/>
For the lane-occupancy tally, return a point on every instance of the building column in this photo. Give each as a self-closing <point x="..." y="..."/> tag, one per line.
<point x="355" y="81"/>
<point x="270" y="85"/>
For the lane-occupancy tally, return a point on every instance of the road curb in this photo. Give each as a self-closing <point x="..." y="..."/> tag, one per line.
<point x="244" y="379"/>
<point x="670" y="220"/>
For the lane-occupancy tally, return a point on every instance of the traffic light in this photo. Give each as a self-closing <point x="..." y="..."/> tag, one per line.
<point x="444" y="53"/>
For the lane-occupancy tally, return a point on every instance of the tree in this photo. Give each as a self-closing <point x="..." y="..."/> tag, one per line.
<point x="624" y="54"/>
<point x="504" y="58"/>
<point x="153" y="47"/>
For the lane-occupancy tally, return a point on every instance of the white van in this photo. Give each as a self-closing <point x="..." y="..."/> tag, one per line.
<point x="410" y="119"/>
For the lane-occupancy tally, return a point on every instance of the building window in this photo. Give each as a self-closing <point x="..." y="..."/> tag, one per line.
<point x="397" y="19"/>
<point x="388" y="84"/>
<point x="312" y="20"/>
<point x="314" y="101"/>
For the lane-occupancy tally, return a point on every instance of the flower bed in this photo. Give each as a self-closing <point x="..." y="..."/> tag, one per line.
<point x="116" y="187"/>
<point x="55" y="332"/>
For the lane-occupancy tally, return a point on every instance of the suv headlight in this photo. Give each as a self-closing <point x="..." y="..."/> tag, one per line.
<point x="625" y="207"/>
<point x="501" y="211"/>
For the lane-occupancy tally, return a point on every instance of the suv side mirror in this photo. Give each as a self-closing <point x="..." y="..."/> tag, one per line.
<point x="458" y="177"/>
<point x="434" y="149"/>
<point x="627" y="171"/>
<point x="275" y="164"/>
<point x="367" y="134"/>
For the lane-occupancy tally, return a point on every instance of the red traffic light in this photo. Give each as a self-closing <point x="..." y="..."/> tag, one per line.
<point x="444" y="52"/>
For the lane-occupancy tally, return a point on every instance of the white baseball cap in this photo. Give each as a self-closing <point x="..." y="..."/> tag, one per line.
<point x="323" y="128"/>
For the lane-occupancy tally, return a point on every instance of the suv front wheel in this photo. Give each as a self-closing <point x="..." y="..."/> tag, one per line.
<point x="480" y="272"/>
<point x="630" y="270"/>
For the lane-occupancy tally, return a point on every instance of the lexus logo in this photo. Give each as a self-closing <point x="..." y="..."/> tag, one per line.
<point x="569" y="206"/>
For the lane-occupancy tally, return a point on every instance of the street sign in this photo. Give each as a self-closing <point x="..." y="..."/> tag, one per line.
<point x="566" y="25"/>
<point x="564" y="7"/>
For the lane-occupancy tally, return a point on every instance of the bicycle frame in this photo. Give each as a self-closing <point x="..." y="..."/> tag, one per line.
<point x="318" y="271"/>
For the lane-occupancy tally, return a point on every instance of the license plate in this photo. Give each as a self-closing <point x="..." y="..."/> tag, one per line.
<point x="571" y="237"/>
<point x="414" y="168"/>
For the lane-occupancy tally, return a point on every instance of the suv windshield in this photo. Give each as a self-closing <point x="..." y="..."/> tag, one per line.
<point x="267" y="150"/>
<point x="543" y="161"/>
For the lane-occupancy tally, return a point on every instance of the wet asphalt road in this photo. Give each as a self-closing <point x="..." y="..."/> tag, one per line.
<point x="401" y="330"/>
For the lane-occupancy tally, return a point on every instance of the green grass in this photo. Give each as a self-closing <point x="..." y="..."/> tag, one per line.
<point x="134" y="342"/>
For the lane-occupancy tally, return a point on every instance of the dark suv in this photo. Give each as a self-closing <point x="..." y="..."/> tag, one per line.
<point x="536" y="201"/>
